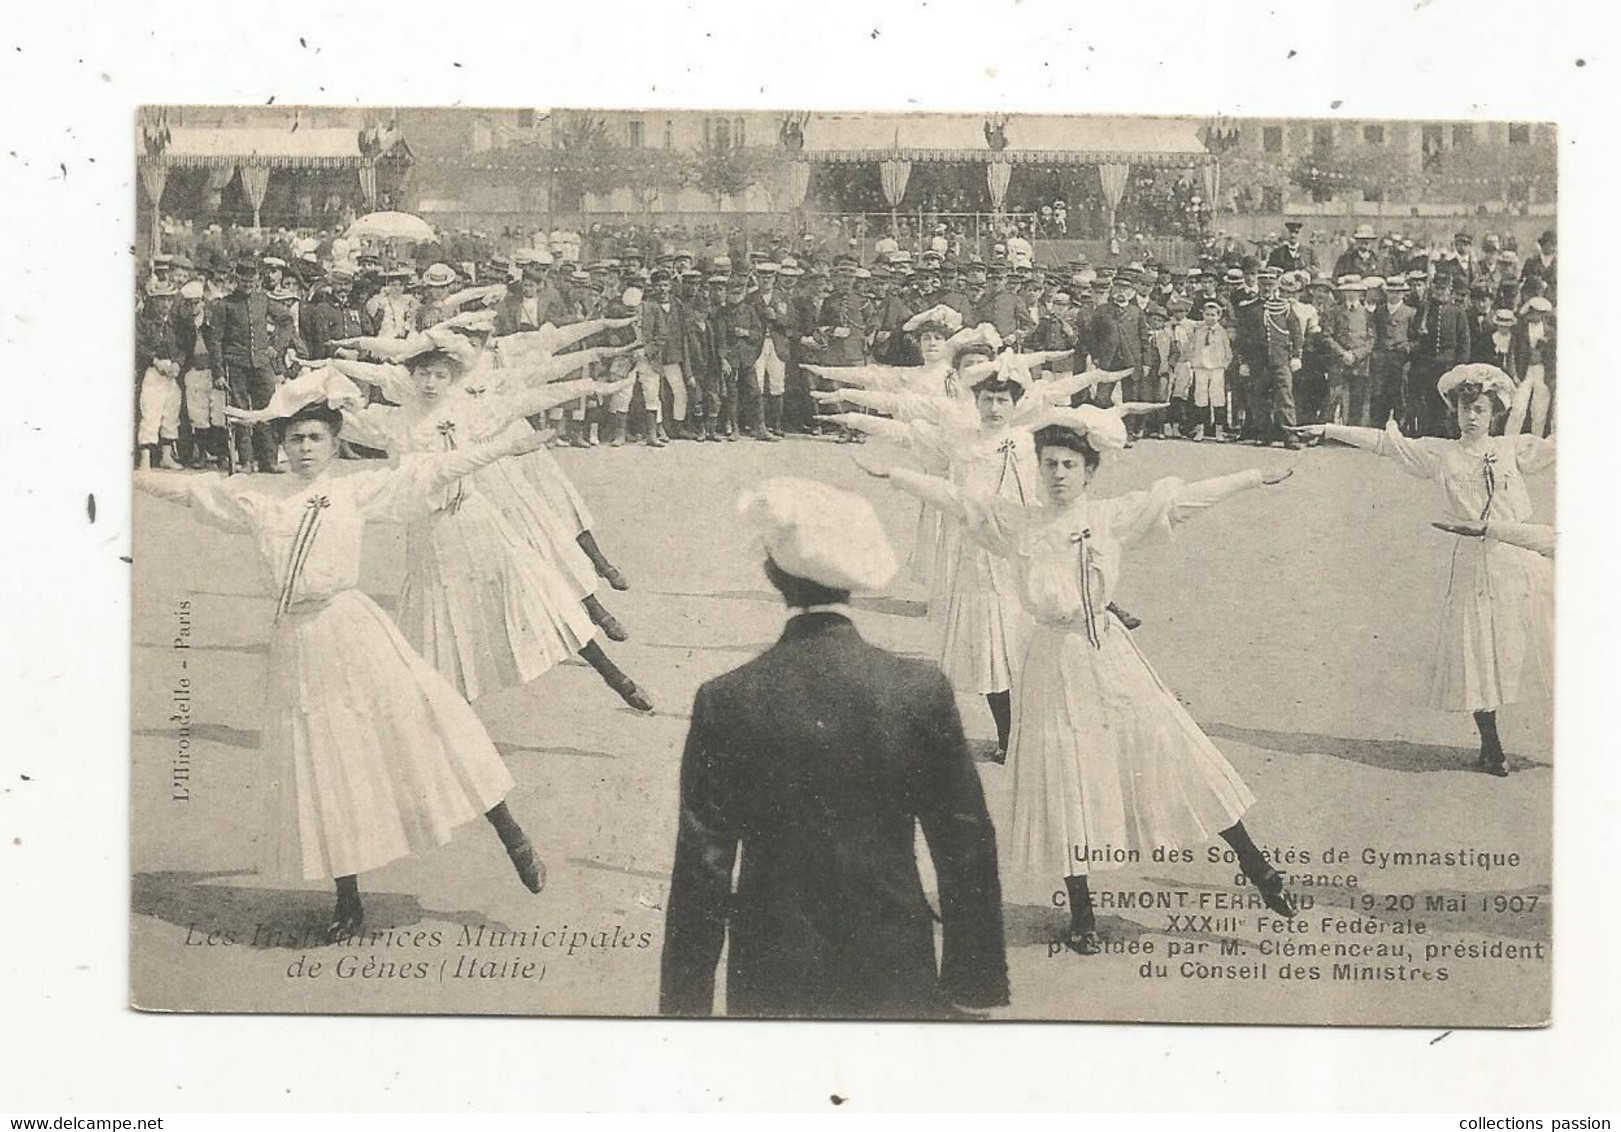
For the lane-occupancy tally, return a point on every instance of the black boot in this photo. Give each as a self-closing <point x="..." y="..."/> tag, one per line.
<point x="1082" y="936"/>
<point x="607" y="622"/>
<point x="1254" y="865"/>
<point x="606" y="570"/>
<point x="623" y="685"/>
<point x="531" y="869"/>
<point x="348" y="917"/>
<point x="773" y="413"/>
<point x="1491" y="760"/>
<point x="1001" y="705"/>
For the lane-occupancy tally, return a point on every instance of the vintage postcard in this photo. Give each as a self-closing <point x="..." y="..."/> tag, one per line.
<point x="802" y="564"/>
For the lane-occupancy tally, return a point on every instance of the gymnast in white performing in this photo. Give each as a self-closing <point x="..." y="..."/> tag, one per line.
<point x="369" y="755"/>
<point x="1102" y="754"/>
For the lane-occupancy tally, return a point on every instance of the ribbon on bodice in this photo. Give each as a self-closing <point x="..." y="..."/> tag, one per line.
<point x="1082" y="539"/>
<point x="1488" y="468"/>
<point x="447" y="434"/>
<point x="1010" y="462"/>
<point x="303" y="539"/>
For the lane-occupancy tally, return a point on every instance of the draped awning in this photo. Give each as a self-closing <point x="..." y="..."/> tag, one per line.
<point x="1032" y="139"/>
<point x="302" y="148"/>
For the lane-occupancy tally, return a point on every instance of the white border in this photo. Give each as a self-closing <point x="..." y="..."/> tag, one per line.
<point x="71" y="76"/>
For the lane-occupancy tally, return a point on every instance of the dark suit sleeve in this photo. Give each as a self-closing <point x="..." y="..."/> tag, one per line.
<point x="962" y="844"/>
<point x="701" y="882"/>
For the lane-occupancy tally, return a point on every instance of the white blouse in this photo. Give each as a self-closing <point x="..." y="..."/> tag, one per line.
<point x="309" y="538"/>
<point x="1069" y="558"/>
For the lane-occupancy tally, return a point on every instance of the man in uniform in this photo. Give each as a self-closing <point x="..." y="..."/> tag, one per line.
<point x="1440" y="340"/>
<point x="1281" y="344"/>
<point x="955" y="294"/>
<point x="1291" y="255"/>
<point x="241" y="332"/>
<point x="1247" y="398"/>
<point x="818" y="760"/>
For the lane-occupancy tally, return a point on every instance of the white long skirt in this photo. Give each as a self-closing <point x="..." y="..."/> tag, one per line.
<point x="1495" y="642"/>
<point x="975" y="616"/>
<point x="542" y="470"/>
<point x="482" y="606"/>
<point x="536" y="518"/>
<point x="368" y="754"/>
<point x="926" y="546"/>
<point x="1103" y="758"/>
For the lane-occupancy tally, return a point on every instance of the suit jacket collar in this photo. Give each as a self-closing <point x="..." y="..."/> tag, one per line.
<point x="821" y="623"/>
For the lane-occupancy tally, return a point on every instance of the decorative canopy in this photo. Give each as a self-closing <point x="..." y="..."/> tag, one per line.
<point x="1030" y="139"/>
<point x="305" y="147"/>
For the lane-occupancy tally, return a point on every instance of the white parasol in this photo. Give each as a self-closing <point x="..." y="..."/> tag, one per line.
<point x="391" y="226"/>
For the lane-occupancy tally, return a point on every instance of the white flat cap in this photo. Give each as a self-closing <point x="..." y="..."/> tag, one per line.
<point x="819" y="533"/>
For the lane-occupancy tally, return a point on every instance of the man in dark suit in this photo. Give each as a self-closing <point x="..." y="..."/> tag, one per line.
<point x="818" y="759"/>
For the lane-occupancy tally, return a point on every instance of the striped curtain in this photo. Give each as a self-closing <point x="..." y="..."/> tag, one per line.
<point x="894" y="174"/>
<point x="255" y="183"/>
<point x="997" y="176"/>
<point x="368" y="185"/>
<point x="1211" y="172"/>
<point x="795" y="183"/>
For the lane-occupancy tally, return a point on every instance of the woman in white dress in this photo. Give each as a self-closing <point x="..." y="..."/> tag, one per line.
<point x="519" y="352"/>
<point x="1495" y="639"/>
<point x="973" y="600"/>
<point x="1103" y="757"/>
<point x="368" y="755"/>
<point x="490" y="603"/>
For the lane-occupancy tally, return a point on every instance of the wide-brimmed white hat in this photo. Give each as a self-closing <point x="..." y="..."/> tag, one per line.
<point x="1102" y="428"/>
<point x="314" y="386"/>
<point x="1488" y="377"/>
<point x="940" y="313"/>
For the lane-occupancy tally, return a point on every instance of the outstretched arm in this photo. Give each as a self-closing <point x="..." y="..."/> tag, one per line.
<point x="417" y="487"/>
<point x="992" y="522"/>
<point x="880" y="379"/>
<point x="1418" y="457"/>
<point x="885" y="428"/>
<point x="902" y="406"/>
<point x="554" y="367"/>
<point x="1172" y="501"/>
<point x="526" y="402"/>
<point x="392" y="381"/>
<point x="214" y="499"/>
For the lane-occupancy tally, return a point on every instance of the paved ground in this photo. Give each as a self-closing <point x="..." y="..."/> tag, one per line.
<point x="1295" y="623"/>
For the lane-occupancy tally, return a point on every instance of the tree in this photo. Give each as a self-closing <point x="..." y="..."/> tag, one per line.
<point x="732" y="171"/>
<point x="583" y="159"/>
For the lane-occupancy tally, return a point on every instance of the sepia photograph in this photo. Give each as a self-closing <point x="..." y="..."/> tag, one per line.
<point x="843" y="565"/>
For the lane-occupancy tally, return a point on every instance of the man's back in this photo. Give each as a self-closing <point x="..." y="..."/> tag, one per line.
<point x="817" y="758"/>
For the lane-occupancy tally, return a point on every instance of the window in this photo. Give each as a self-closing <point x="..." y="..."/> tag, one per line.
<point x="526" y="119"/>
<point x="669" y="134"/>
<point x="737" y="133"/>
<point x="723" y="134"/>
<point x="1430" y="142"/>
<point x="1272" y="139"/>
<point x="1519" y="133"/>
<point x="1373" y="195"/>
<point x="1373" y="135"/>
<point x="633" y="128"/>
<point x="1463" y="135"/>
<point x="1322" y="137"/>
